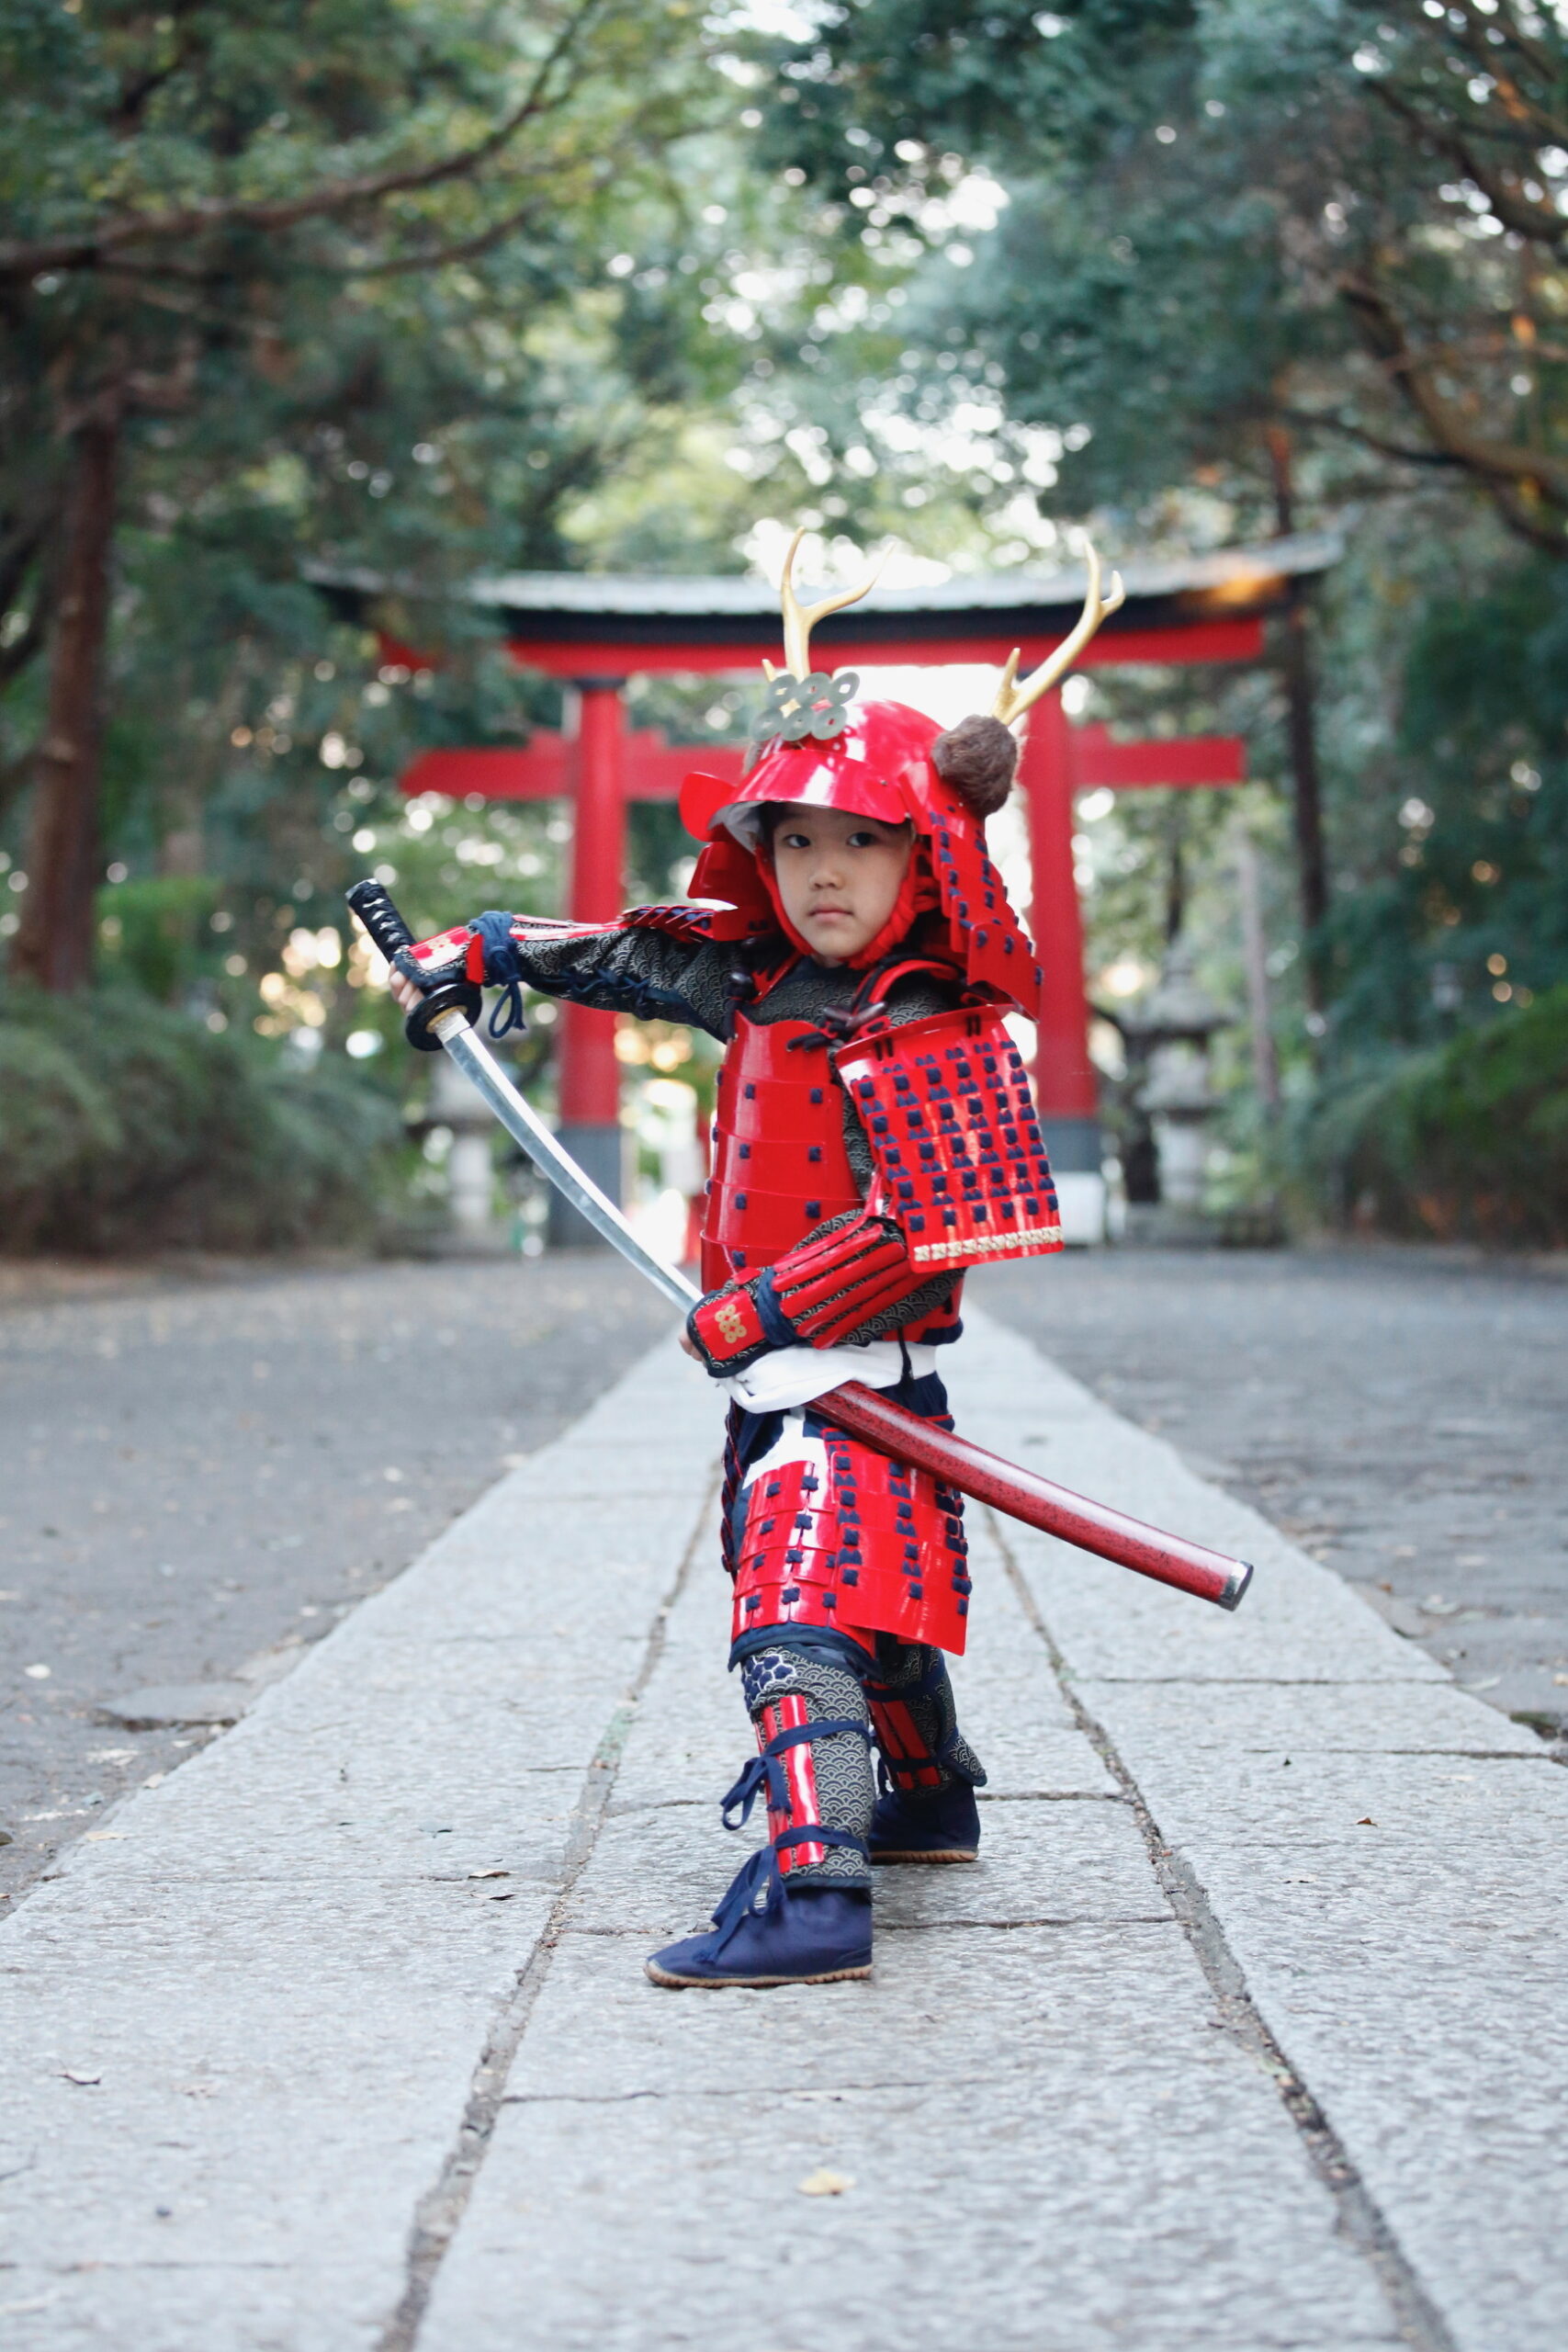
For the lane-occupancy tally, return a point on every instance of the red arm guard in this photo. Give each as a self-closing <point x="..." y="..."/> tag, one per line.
<point x="448" y="950"/>
<point x="830" y="1286"/>
<point x="818" y="1293"/>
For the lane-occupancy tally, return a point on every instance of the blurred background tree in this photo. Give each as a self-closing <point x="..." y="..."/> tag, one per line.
<point x="422" y="290"/>
<point x="258" y="256"/>
<point x="1257" y="268"/>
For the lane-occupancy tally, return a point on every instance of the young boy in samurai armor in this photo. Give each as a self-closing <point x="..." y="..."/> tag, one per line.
<point x="874" y="1136"/>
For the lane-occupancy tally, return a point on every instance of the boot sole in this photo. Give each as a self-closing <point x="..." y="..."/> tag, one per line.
<point x="717" y="1983"/>
<point x="947" y="1854"/>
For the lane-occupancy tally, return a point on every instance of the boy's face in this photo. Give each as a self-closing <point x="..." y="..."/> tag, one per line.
<point x="839" y="876"/>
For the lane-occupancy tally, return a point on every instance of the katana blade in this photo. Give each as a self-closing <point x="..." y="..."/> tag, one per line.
<point x="525" y="1127"/>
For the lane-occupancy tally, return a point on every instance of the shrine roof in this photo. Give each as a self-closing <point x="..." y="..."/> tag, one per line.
<point x="549" y="617"/>
<point x="1236" y="578"/>
<point x="628" y="606"/>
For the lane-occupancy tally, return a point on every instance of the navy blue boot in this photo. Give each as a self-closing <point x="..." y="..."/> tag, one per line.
<point x="925" y="1825"/>
<point x="767" y="1932"/>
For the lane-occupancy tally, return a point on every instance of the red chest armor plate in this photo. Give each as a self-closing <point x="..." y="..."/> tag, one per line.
<point x="779" y="1163"/>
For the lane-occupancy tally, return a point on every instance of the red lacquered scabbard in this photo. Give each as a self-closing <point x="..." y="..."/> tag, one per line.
<point x="1022" y="1494"/>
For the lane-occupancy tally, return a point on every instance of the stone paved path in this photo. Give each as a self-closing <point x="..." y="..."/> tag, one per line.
<point x="1247" y="2032"/>
<point x="201" y="1476"/>
<point x="1400" y="1412"/>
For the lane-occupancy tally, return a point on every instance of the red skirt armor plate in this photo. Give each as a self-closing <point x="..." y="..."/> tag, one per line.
<point x="779" y="1163"/>
<point x="838" y="1536"/>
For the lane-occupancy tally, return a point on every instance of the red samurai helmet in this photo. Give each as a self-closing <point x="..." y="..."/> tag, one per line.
<point x="822" y="746"/>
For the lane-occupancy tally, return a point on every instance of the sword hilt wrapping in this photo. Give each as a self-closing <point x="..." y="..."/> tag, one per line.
<point x="373" y="903"/>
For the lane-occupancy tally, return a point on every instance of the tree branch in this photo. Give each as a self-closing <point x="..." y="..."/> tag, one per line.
<point x="1525" y="523"/>
<point x="437" y="256"/>
<point x="1540" y="224"/>
<point x="87" y="252"/>
<point x="1497" y="462"/>
<point x="1310" y="420"/>
<point x="137" y="93"/>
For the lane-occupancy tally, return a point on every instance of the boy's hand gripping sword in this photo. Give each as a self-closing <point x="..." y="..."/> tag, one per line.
<point x="447" y="1012"/>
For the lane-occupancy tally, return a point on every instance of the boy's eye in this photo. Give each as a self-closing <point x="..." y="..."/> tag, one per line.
<point x="863" y="841"/>
<point x="797" y="840"/>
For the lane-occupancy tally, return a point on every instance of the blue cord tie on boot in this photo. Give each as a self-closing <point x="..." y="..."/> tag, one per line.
<point x="765" y="1770"/>
<point x="759" y="1772"/>
<point x="759" y="1875"/>
<point x="504" y="970"/>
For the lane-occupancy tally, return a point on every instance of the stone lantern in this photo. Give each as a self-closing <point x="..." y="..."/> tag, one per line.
<point x="1169" y="1033"/>
<point x="471" y="1170"/>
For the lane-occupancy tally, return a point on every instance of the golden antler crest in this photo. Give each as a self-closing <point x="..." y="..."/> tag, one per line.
<point x="800" y="619"/>
<point x="1012" y="700"/>
<point x="802" y="701"/>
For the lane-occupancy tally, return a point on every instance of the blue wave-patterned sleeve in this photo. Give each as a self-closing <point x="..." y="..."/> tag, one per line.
<point x="672" y="972"/>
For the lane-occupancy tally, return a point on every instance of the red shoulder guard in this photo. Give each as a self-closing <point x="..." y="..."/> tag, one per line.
<point x="961" y="1163"/>
<point x="463" y="946"/>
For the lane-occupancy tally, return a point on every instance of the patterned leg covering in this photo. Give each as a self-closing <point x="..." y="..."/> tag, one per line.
<point x="799" y="1911"/>
<point x="812" y="1761"/>
<point x="916" y="1717"/>
<point x="928" y="1770"/>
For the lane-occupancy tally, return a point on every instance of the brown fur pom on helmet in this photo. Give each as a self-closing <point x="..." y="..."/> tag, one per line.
<point x="978" y="758"/>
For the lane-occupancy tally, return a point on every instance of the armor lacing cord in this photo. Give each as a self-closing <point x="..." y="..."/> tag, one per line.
<point x="764" y="1771"/>
<point x="503" y="967"/>
<point x="758" y="1885"/>
<point x="836" y="1026"/>
<point x="889" y="1785"/>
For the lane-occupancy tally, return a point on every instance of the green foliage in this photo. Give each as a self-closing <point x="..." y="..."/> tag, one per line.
<point x="1318" y="215"/>
<point x="125" y="1126"/>
<point x="1262" y="264"/>
<point x="1466" y="1141"/>
<point x="423" y="379"/>
<point x="157" y="933"/>
<point x="1464" y="847"/>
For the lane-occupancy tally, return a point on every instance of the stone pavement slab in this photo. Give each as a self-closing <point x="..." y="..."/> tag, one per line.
<point x="1048" y="2146"/>
<point x="1396" y="1410"/>
<point x="1034" y="2087"/>
<point x="340" y="2039"/>
<point x="201" y="1472"/>
<point x="1392" y="1898"/>
<point x="277" y="1965"/>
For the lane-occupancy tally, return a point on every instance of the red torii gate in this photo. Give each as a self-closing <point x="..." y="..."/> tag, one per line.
<point x="595" y="633"/>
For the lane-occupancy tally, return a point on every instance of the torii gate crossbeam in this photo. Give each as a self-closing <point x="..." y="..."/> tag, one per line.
<point x="602" y="775"/>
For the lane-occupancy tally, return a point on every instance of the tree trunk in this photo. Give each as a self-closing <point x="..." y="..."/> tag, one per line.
<point x="1255" y="950"/>
<point x="55" y="944"/>
<point x="1301" y="730"/>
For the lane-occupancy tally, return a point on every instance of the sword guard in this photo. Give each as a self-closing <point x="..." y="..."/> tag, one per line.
<point x="447" y="996"/>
